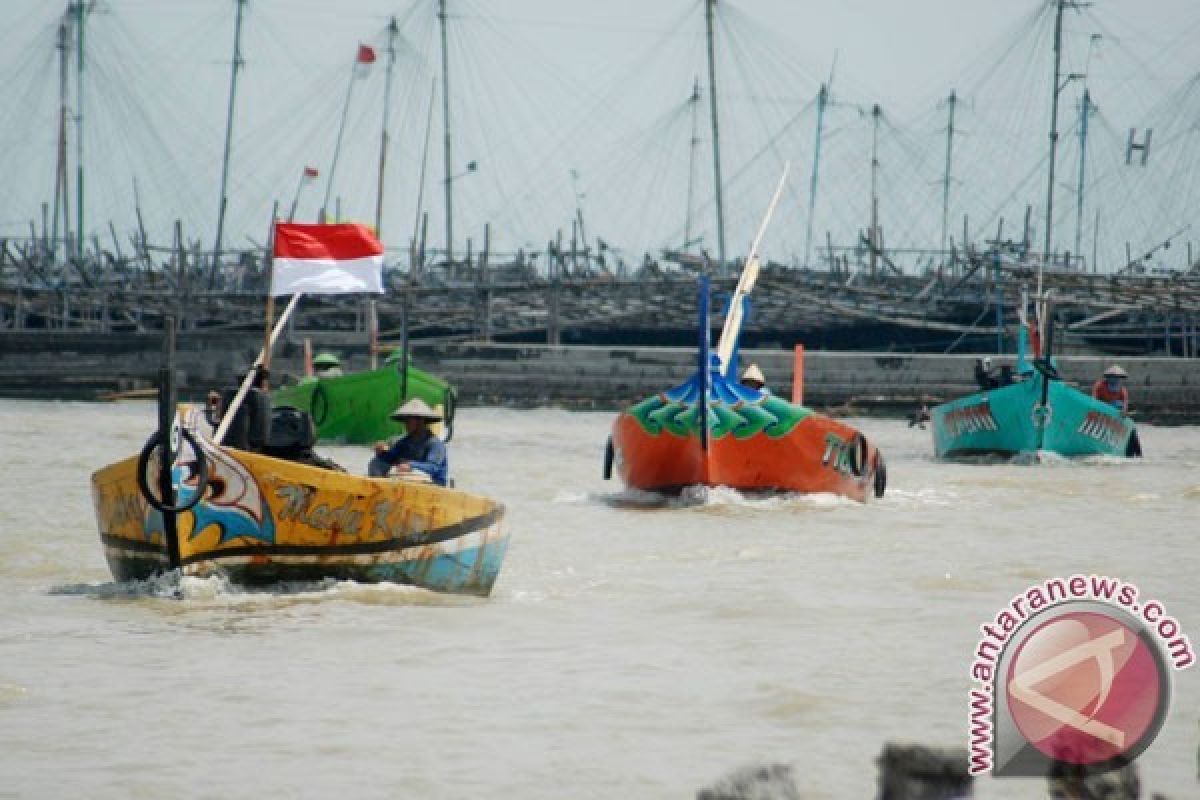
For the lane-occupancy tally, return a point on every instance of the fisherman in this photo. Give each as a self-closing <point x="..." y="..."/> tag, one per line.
<point x="983" y="374"/>
<point x="753" y="378"/>
<point x="418" y="451"/>
<point x="1111" y="389"/>
<point x="918" y="418"/>
<point x="326" y="365"/>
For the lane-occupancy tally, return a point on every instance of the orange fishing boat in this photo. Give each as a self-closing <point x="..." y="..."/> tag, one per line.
<point x="713" y="431"/>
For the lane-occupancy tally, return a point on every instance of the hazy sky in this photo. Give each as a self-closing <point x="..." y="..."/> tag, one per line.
<point x="544" y="87"/>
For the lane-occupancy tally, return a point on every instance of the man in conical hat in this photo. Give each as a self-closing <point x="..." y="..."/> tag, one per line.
<point x="753" y="378"/>
<point x="326" y="365"/>
<point x="1111" y="389"/>
<point x="418" y="451"/>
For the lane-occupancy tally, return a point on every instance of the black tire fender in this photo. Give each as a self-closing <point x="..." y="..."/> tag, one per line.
<point x="857" y="454"/>
<point x="152" y="444"/>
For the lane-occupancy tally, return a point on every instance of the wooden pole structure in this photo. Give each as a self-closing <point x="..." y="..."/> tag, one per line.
<point x="80" y="10"/>
<point x="224" y="200"/>
<point x="447" y="161"/>
<point x="393" y="30"/>
<point x="709" y="8"/>
<point x="822" y="102"/>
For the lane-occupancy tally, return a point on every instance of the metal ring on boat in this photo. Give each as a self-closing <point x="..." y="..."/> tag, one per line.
<point x="152" y="444"/>
<point x="1041" y="415"/>
<point x="858" y="453"/>
<point x="319" y="393"/>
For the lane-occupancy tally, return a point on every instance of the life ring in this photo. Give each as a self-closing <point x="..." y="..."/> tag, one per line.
<point x="319" y="397"/>
<point x="857" y="455"/>
<point x="153" y="444"/>
<point x="880" y="475"/>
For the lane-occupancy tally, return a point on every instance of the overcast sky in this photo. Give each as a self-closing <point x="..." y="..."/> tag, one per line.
<point x="544" y="87"/>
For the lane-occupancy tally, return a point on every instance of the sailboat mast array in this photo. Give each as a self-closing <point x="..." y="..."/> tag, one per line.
<point x="709" y="9"/>
<point x="224" y="202"/>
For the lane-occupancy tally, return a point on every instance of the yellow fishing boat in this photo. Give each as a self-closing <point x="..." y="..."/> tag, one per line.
<point x="259" y="518"/>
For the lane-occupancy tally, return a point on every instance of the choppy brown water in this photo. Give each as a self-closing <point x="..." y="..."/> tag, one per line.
<point x="630" y="649"/>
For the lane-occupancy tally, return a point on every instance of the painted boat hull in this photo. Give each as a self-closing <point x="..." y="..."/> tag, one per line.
<point x="1009" y="422"/>
<point x="354" y="408"/>
<point x="264" y="520"/>
<point x="753" y="442"/>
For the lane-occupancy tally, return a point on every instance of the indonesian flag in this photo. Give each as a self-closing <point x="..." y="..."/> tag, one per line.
<point x="326" y="259"/>
<point x="366" y="54"/>
<point x="310" y="173"/>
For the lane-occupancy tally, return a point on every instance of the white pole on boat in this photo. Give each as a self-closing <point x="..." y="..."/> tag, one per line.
<point x="263" y="358"/>
<point x="733" y="317"/>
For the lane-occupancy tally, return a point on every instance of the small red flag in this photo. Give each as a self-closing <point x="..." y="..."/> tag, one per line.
<point x="310" y="172"/>
<point x="366" y="54"/>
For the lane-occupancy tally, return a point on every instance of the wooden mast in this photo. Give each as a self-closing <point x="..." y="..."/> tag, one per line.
<point x="449" y="179"/>
<point x="224" y="201"/>
<point x="709" y="8"/>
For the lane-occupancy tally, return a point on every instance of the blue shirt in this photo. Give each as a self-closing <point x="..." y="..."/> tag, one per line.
<point x="428" y="455"/>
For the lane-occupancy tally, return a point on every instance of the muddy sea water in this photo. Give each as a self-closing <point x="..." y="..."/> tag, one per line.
<point x="633" y="648"/>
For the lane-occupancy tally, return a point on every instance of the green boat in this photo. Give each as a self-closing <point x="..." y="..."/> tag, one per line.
<point x="354" y="408"/>
<point x="1037" y="412"/>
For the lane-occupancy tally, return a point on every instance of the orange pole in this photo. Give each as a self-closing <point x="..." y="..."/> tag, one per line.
<point x="798" y="376"/>
<point x="308" y="367"/>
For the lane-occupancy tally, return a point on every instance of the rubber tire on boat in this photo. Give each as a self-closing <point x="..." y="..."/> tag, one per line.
<point x="858" y="455"/>
<point x="1134" y="448"/>
<point x="319" y="393"/>
<point x="880" y="476"/>
<point x="449" y="406"/>
<point x="153" y="444"/>
<point x="609" y="455"/>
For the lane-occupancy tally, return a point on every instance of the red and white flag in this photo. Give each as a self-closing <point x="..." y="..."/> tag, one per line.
<point x="366" y="54"/>
<point x="310" y="173"/>
<point x="326" y="259"/>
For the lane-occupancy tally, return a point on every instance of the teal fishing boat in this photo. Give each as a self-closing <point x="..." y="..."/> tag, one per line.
<point x="1033" y="411"/>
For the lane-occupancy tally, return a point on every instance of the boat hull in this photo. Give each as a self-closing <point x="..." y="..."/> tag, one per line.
<point x="1013" y="421"/>
<point x="355" y="408"/>
<point x="264" y="520"/>
<point x="756" y="443"/>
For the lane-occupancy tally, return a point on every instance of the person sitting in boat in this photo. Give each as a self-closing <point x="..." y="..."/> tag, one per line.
<point x="418" y="451"/>
<point x="984" y="375"/>
<point x="326" y="365"/>
<point x="753" y="378"/>
<point x="1110" y="388"/>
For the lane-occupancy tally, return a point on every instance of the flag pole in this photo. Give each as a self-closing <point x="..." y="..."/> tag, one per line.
<point x="228" y="414"/>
